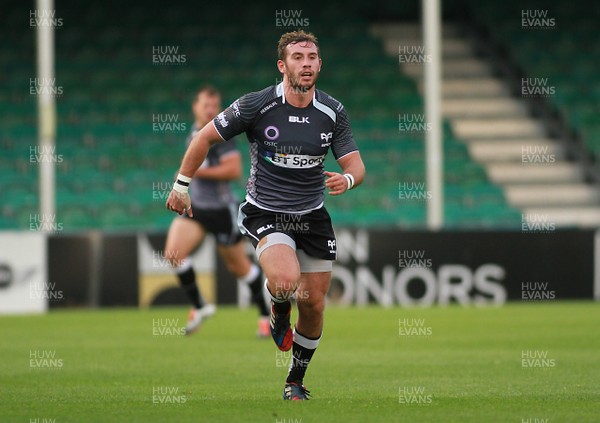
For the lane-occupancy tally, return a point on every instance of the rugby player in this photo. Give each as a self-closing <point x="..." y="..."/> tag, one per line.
<point x="215" y="211"/>
<point x="290" y="127"/>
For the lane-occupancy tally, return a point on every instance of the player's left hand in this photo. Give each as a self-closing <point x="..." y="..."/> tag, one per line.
<point x="336" y="183"/>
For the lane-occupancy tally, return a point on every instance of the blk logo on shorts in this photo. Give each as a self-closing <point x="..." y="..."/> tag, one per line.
<point x="264" y="228"/>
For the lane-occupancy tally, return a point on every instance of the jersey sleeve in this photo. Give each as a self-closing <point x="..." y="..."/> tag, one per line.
<point x="238" y="117"/>
<point x="343" y="141"/>
<point x="230" y="122"/>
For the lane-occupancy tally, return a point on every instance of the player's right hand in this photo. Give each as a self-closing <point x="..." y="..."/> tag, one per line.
<point x="179" y="203"/>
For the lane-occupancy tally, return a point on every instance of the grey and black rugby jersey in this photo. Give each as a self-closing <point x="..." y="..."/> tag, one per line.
<point x="287" y="146"/>
<point x="208" y="193"/>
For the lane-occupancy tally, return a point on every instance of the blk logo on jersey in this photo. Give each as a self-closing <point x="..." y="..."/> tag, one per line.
<point x="296" y="119"/>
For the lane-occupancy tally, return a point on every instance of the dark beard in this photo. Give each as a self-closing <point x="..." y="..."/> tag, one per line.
<point x="297" y="88"/>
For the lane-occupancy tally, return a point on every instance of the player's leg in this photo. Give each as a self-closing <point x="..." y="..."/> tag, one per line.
<point x="276" y="252"/>
<point x="183" y="237"/>
<point x="310" y="299"/>
<point x="249" y="274"/>
<point x="316" y="251"/>
<point x="281" y="268"/>
<point x="278" y="260"/>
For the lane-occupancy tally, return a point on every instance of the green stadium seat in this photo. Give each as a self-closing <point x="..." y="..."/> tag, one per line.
<point x="112" y="157"/>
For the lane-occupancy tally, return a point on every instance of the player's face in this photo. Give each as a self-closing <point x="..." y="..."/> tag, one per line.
<point x="302" y="65"/>
<point x="206" y="107"/>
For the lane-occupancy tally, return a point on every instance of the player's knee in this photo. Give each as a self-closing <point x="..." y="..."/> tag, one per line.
<point x="238" y="266"/>
<point x="308" y="298"/>
<point x="234" y="268"/>
<point x="310" y="301"/>
<point x="281" y="280"/>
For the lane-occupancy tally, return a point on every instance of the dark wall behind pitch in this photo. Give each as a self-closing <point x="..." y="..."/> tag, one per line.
<point x="70" y="268"/>
<point x="562" y="259"/>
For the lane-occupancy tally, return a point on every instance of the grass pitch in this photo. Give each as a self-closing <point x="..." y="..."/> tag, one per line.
<point x="517" y="363"/>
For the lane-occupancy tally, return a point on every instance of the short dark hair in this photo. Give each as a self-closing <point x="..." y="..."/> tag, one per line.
<point x="293" y="38"/>
<point x="209" y="90"/>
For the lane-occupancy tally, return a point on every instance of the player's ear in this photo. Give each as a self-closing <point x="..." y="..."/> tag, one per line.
<point x="281" y="65"/>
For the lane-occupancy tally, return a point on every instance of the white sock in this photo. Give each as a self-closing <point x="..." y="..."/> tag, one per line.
<point x="309" y="344"/>
<point x="184" y="265"/>
<point x="251" y="275"/>
<point x="275" y="299"/>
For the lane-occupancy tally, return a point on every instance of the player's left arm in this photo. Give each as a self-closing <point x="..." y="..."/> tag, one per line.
<point x="346" y="153"/>
<point x="353" y="173"/>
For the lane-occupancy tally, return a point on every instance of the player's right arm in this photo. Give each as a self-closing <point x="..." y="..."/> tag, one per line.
<point x="198" y="149"/>
<point x="230" y="122"/>
<point x="179" y="199"/>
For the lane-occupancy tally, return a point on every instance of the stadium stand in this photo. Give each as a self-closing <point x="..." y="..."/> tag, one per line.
<point x="566" y="191"/>
<point x="116" y="164"/>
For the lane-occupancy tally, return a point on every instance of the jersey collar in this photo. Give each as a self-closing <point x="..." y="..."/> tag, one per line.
<point x="281" y="92"/>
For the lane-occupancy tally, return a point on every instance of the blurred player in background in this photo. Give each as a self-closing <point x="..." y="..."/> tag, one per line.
<point x="291" y="127"/>
<point x="215" y="211"/>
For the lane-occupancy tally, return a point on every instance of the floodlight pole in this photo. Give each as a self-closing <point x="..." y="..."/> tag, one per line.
<point x="46" y="113"/>
<point x="432" y="24"/>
